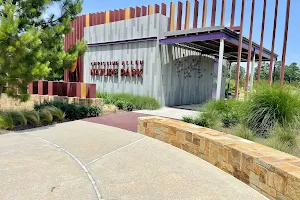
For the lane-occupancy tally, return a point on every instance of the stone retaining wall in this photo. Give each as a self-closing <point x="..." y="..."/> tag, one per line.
<point x="7" y="103"/>
<point x="273" y="173"/>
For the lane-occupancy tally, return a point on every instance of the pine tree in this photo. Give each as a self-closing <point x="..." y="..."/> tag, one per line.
<point x="32" y="45"/>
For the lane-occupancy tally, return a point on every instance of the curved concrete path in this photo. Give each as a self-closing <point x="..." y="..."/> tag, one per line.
<point x="83" y="160"/>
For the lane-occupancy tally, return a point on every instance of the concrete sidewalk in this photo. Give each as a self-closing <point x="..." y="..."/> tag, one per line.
<point x="83" y="160"/>
<point x="174" y="113"/>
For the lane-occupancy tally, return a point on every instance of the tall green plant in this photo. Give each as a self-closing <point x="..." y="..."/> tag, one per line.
<point x="271" y="105"/>
<point x="32" y="42"/>
<point x="32" y="117"/>
<point x="6" y="120"/>
<point x="19" y="118"/>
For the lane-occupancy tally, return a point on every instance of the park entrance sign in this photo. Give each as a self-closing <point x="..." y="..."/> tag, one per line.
<point x="144" y="51"/>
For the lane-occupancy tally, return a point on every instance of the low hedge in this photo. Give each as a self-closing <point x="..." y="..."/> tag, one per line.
<point x="129" y="102"/>
<point x="20" y="120"/>
<point x="72" y="112"/>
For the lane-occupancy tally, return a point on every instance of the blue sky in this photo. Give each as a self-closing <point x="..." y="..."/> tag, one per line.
<point x="293" y="48"/>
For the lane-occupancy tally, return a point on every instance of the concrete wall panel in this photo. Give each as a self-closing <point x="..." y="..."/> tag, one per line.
<point x="173" y="75"/>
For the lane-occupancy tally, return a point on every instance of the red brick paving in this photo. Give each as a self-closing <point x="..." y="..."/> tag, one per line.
<point x="123" y="120"/>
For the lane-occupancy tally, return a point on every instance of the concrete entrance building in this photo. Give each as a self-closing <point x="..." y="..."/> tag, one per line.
<point x="141" y="51"/>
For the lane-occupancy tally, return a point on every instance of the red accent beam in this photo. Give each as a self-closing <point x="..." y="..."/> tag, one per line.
<point x="156" y="8"/>
<point x="144" y="10"/>
<point x="261" y="40"/>
<point x="273" y="42"/>
<point x="117" y="15"/>
<point x="237" y="76"/>
<point x="250" y="45"/>
<point x="213" y="13"/>
<point x="179" y="16"/>
<point x="99" y="16"/>
<point x="102" y="17"/>
<point x="132" y="13"/>
<point x="137" y="11"/>
<point x="111" y="16"/>
<point x="287" y="18"/>
<point x="223" y="12"/>
<point x="122" y="14"/>
<point x="196" y="11"/>
<point x="163" y="9"/>
<point x="232" y="13"/>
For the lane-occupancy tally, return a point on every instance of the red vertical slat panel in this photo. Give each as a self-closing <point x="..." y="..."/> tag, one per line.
<point x="273" y="42"/>
<point x="132" y="13"/>
<point x="164" y="9"/>
<point x="103" y="17"/>
<point x="111" y="16"/>
<point x="261" y="40"/>
<point x="232" y="13"/>
<point x="204" y="13"/>
<point x="196" y="11"/>
<point x="99" y="16"/>
<point x="117" y="15"/>
<point x="92" y="19"/>
<point x="97" y="21"/>
<point x="240" y="48"/>
<point x="144" y="10"/>
<point x="122" y="14"/>
<point x="287" y="18"/>
<point x="250" y="45"/>
<point x="213" y="13"/>
<point x="137" y="11"/>
<point x="156" y="8"/>
<point x="179" y="16"/>
<point x="223" y="12"/>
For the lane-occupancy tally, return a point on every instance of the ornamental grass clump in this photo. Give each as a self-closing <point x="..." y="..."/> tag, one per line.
<point x="272" y="105"/>
<point x="32" y="117"/>
<point x="6" y="121"/>
<point x="57" y="113"/>
<point x="45" y="116"/>
<point x="18" y="118"/>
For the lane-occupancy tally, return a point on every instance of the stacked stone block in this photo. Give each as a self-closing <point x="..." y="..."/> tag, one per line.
<point x="271" y="172"/>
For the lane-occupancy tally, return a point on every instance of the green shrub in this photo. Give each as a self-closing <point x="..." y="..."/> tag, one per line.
<point x="285" y="135"/>
<point x="120" y="104"/>
<point x="6" y="120"/>
<point x="243" y="132"/>
<point x="57" y="113"/>
<point x="281" y="146"/>
<point x="271" y="105"/>
<point x="188" y="119"/>
<point x="71" y="111"/>
<point x="206" y="119"/>
<point x="102" y="95"/>
<point x="18" y="118"/>
<point x="110" y="100"/>
<point x="229" y="119"/>
<point x="129" y="106"/>
<point x="229" y="112"/>
<point x="32" y="117"/>
<point x="139" y="102"/>
<point x="45" y="116"/>
<point x="94" y="111"/>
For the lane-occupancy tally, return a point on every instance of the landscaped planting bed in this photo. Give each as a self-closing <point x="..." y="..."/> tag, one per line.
<point x="45" y="114"/>
<point x="271" y="116"/>
<point x="129" y="102"/>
